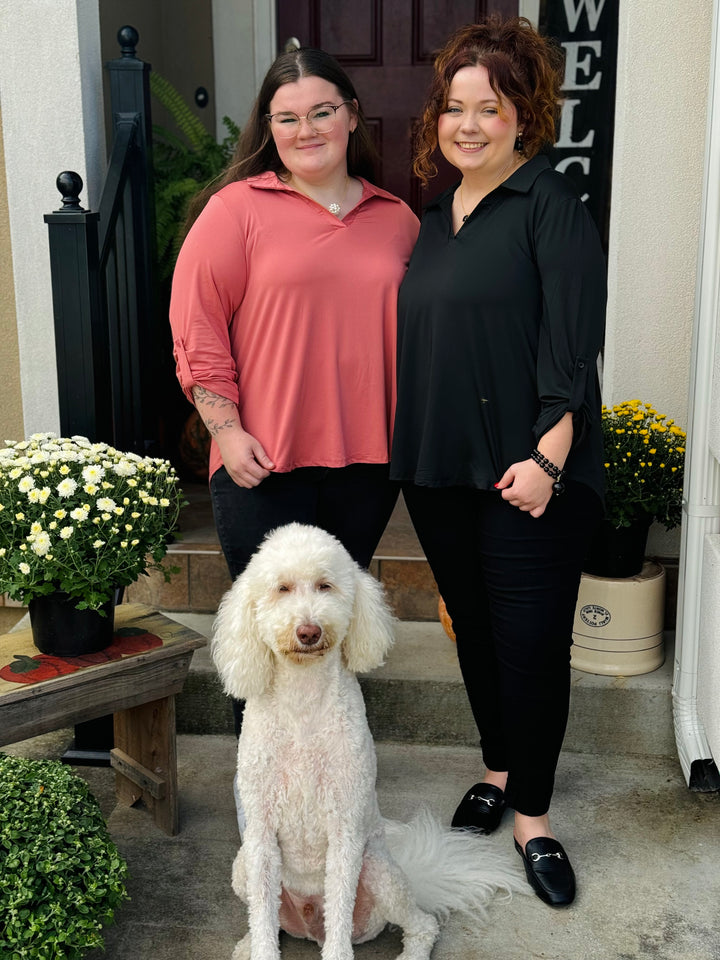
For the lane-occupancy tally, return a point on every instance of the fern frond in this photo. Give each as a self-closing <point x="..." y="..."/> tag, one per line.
<point x="172" y="100"/>
<point x="168" y="138"/>
<point x="183" y="163"/>
<point x="230" y="141"/>
<point x="171" y="209"/>
<point x="232" y="128"/>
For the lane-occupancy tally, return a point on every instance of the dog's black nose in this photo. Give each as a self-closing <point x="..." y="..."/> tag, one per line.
<point x="308" y="633"/>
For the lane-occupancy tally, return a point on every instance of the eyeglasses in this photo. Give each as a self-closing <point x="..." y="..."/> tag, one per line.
<point x="321" y="120"/>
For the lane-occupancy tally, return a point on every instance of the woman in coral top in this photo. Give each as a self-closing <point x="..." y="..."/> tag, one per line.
<point x="284" y="317"/>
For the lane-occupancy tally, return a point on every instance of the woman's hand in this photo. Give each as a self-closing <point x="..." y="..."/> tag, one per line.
<point x="526" y="486"/>
<point x="244" y="458"/>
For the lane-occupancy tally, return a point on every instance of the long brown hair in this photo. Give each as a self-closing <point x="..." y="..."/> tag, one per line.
<point x="256" y="152"/>
<point x="523" y="66"/>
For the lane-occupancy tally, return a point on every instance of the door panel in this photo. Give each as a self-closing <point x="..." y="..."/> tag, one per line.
<point x="355" y="39"/>
<point x="434" y="22"/>
<point x="387" y="48"/>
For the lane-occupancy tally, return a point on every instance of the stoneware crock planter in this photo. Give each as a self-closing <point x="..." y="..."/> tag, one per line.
<point x="618" y="629"/>
<point x="60" y="629"/>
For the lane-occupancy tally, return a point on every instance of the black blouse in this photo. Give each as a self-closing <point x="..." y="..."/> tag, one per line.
<point x="499" y="328"/>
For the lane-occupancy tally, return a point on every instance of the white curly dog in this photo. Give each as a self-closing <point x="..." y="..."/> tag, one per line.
<point x="317" y="859"/>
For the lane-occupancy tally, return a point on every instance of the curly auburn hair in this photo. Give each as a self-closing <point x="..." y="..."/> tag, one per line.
<point x="523" y="67"/>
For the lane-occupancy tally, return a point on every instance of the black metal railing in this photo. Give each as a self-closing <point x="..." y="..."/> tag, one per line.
<point x="102" y="266"/>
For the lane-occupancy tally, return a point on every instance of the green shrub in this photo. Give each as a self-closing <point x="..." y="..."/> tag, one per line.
<point x="61" y="876"/>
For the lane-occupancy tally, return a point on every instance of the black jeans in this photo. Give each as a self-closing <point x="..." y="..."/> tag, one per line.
<point x="353" y="503"/>
<point x="510" y="584"/>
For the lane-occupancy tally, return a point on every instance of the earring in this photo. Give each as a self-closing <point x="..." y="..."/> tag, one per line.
<point x="519" y="142"/>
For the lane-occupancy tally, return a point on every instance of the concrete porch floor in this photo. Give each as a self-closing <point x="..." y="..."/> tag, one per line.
<point x="645" y="850"/>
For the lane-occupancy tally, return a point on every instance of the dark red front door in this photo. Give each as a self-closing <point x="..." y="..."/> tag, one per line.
<point x="387" y="48"/>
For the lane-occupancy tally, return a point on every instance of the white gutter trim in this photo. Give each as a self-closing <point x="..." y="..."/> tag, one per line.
<point x="701" y="508"/>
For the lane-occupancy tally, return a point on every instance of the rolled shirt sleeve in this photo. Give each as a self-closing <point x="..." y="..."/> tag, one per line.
<point x="208" y="288"/>
<point x="571" y="265"/>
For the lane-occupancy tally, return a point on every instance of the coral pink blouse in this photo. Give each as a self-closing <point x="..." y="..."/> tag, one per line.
<point x="290" y="313"/>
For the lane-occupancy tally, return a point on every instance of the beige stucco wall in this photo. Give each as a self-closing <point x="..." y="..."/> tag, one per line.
<point x="663" y="69"/>
<point x="660" y="128"/>
<point x="11" y="418"/>
<point x="51" y="96"/>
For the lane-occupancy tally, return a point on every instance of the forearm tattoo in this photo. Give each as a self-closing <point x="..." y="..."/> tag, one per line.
<point x="211" y="406"/>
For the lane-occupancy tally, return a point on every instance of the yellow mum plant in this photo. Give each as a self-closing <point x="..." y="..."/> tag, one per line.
<point x="644" y="458"/>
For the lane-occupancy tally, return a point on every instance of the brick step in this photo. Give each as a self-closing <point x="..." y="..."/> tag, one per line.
<point x="203" y="577"/>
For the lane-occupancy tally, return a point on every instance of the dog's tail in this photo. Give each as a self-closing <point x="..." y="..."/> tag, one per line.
<point x="449" y="869"/>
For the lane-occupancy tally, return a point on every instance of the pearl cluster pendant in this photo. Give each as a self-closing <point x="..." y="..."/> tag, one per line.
<point x="335" y="208"/>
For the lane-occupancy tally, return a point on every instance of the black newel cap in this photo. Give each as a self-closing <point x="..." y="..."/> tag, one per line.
<point x="128" y="37"/>
<point x="70" y="184"/>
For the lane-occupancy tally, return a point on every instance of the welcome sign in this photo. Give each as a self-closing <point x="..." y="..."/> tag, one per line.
<point x="587" y="31"/>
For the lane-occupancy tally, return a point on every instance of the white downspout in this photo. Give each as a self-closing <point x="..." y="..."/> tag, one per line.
<point x="701" y="505"/>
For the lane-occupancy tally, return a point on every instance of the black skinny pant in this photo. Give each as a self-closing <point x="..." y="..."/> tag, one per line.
<point x="510" y="584"/>
<point x="353" y="503"/>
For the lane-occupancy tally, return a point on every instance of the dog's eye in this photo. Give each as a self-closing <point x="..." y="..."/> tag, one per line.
<point x="324" y="585"/>
<point x="283" y="588"/>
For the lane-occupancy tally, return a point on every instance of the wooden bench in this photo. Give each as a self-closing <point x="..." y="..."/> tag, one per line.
<point x="136" y="679"/>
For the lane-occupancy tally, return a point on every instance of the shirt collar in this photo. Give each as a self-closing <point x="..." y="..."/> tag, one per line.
<point x="270" y="181"/>
<point x="521" y="181"/>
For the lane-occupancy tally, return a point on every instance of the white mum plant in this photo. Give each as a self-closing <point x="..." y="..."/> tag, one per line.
<point x="81" y="518"/>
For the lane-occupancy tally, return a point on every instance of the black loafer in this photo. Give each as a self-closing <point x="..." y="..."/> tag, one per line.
<point x="481" y="809"/>
<point x="548" y="871"/>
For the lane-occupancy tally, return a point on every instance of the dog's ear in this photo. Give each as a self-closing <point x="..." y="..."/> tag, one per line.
<point x="244" y="662"/>
<point x="370" y="634"/>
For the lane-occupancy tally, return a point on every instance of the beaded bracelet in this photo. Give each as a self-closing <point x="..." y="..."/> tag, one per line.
<point x="551" y="470"/>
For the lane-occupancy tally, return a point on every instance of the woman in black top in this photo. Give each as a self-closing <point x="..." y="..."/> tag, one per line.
<point x="497" y="433"/>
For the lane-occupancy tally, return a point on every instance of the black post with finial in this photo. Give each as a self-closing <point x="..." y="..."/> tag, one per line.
<point x="81" y="342"/>
<point x="130" y="82"/>
<point x="136" y="420"/>
<point x="102" y="267"/>
<point x="104" y="301"/>
<point x="83" y="369"/>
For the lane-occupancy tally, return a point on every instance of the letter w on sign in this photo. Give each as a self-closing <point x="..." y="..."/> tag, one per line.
<point x="574" y="8"/>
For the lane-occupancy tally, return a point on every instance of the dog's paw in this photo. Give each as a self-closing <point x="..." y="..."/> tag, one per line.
<point x="242" y="949"/>
<point x="418" y="945"/>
